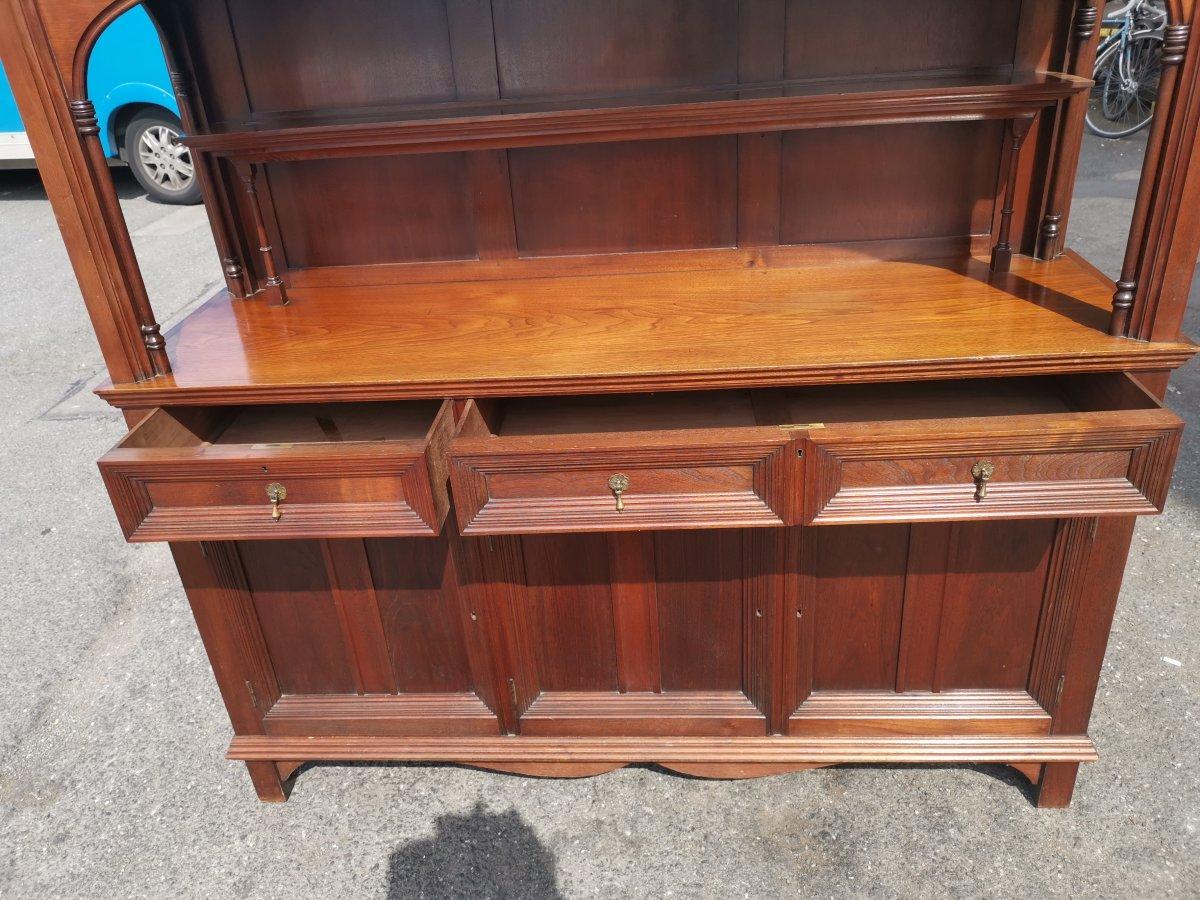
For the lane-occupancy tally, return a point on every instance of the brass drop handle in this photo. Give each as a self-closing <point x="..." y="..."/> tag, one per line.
<point x="619" y="484"/>
<point x="276" y="493"/>
<point x="982" y="472"/>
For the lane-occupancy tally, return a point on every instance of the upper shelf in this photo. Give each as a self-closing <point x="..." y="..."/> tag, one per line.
<point x="774" y="106"/>
<point x="650" y="331"/>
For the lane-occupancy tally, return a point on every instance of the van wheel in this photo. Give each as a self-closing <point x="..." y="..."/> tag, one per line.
<point x="161" y="164"/>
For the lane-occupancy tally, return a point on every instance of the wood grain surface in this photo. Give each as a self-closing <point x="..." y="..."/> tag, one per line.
<point x="648" y="331"/>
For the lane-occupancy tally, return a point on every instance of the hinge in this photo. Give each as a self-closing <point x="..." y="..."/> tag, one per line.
<point x="512" y="693"/>
<point x="1058" y="690"/>
<point x="1093" y="528"/>
<point x="253" y="695"/>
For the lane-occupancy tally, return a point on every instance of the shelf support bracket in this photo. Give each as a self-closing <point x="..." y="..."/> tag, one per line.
<point x="1175" y="44"/>
<point x="1002" y="253"/>
<point x="273" y="285"/>
<point x="83" y="114"/>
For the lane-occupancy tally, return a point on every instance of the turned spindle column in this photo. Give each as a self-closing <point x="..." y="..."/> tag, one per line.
<point x="84" y="115"/>
<point x="1070" y="133"/>
<point x="231" y="266"/>
<point x="273" y="284"/>
<point x="1174" y="49"/>
<point x="1002" y="253"/>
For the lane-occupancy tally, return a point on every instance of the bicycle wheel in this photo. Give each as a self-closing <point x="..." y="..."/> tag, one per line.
<point x="1122" y="101"/>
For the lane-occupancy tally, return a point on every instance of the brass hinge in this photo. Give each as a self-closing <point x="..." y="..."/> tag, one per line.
<point x="1058" y="690"/>
<point x="253" y="695"/>
<point x="1093" y="528"/>
<point x="512" y="693"/>
<point x="802" y="426"/>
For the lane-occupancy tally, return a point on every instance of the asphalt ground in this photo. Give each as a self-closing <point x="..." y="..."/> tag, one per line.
<point x="112" y="734"/>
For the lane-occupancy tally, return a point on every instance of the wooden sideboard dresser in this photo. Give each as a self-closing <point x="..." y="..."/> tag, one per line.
<point x="693" y="382"/>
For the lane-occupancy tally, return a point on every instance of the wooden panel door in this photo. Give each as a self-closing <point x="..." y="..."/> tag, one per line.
<point x="364" y="637"/>
<point x="638" y="633"/>
<point x="947" y="628"/>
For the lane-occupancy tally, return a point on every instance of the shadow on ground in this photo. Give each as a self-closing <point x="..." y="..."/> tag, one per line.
<point x="17" y="185"/>
<point x="478" y="854"/>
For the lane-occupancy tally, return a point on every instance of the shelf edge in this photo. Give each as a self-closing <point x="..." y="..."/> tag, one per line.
<point x="642" y="122"/>
<point x="147" y="395"/>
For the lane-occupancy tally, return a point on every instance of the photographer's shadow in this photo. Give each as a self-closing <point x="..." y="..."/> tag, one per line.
<point x="478" y="854"/>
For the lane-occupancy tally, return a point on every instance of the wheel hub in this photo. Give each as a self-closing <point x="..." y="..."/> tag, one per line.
<point x="165" y="160"/>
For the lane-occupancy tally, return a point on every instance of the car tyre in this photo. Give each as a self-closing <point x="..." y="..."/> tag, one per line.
<point x="161" y="164"/>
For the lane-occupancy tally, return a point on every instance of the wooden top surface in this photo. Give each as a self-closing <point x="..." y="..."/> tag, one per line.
<point x="857" y="321"/>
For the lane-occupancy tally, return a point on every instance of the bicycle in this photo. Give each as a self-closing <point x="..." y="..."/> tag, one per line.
<point x="1128" y="69"/>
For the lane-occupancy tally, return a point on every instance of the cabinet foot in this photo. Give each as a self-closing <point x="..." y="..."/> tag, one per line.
<point x="269" y="784"/>
<point x="1056" y="784"/>
<point x="1032" y="771"/>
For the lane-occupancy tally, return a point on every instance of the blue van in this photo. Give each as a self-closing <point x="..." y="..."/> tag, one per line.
<point x="129" y="84"/>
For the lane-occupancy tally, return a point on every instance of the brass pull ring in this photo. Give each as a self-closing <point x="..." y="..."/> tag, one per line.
<point x="276" y="493"/>
<point x="982" y="472"/>
<point x="619" y="484"/>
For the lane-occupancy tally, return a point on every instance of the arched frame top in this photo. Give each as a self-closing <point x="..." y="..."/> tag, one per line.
<point x="87" y="40"/>
<point x="73" y="29"/>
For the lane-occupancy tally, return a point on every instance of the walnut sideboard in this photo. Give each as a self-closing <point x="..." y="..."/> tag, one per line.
<point x="699" y="382"/>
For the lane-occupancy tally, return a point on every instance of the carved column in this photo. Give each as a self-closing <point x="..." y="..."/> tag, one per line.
<point x="273" y="284"/>
<point x="1002" y="253"/>
<point x="1175" y="46"/>
<point x="231" y="266"/>
<point x="84" y="115"/>
<point x="1070" y="133"/>
<point x="1167" y="269"/>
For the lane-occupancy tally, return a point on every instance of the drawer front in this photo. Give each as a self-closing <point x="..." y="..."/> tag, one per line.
<point x="536" y="485"/>
<point x="183" y="500"/>
<point x="225" y="491"/>
<point x="1080" y="464"/>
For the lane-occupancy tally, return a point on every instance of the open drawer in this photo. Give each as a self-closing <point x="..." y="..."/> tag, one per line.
<point x="1058" y="446"/>
<point x="1061" y="446"/>
<point x="329" y="470"/>
<point x="619" y="463"/>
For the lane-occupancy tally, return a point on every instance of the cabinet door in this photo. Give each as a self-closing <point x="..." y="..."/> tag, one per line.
<point x="634" y="633"/>
<point x="363" y="637"/>
<point x="948" y="628"/>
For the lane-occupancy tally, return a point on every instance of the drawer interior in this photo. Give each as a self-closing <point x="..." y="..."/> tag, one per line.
<point x="620" y="412"/>
<point x="845" y="403"/>
<point x="308" y="423"/>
